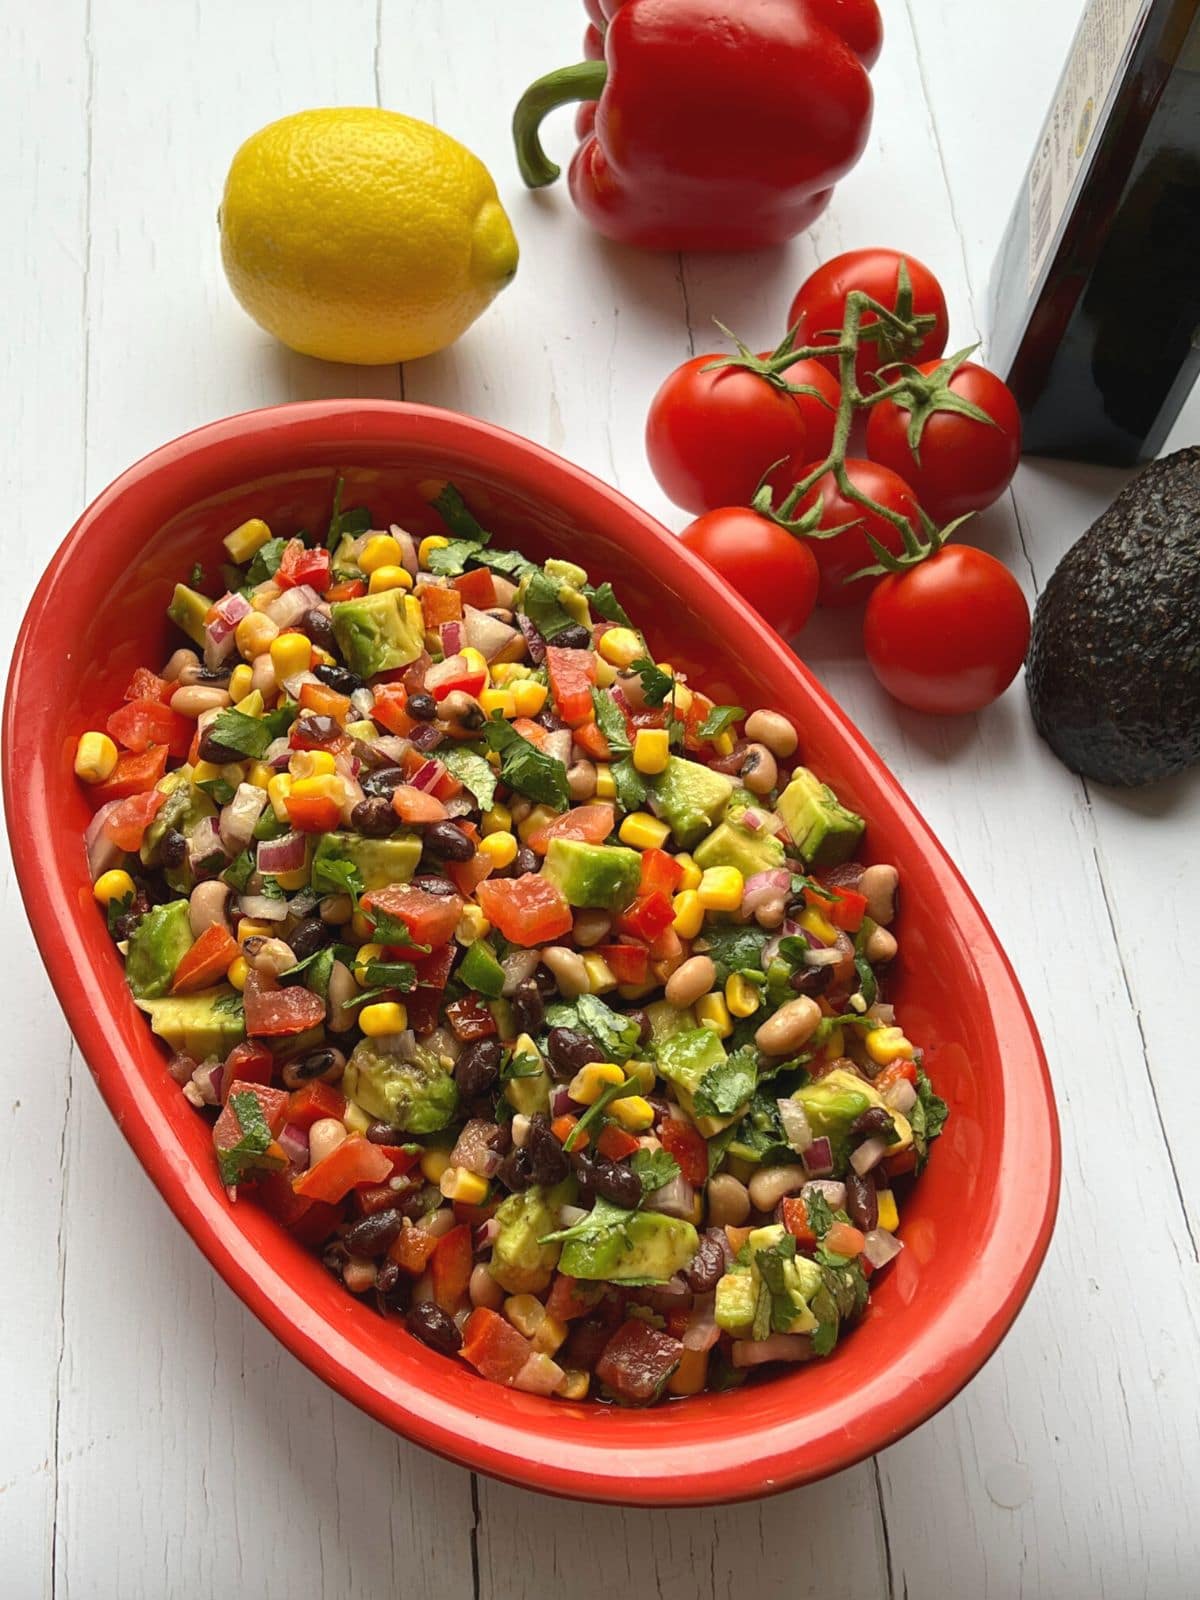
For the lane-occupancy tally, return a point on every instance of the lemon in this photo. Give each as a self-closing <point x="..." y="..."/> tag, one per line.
<point x="361" y="235"/>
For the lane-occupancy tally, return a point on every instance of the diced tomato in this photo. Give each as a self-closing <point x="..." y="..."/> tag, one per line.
<point x="572" y="674"/>
<point x="430" y="918"/>
<point x="315" y="1101"/>
<point x="412" y="1249"/>
<point x="533" y="731"/>
<point x="844" y="1240"/>
<point x="470" y="1019"/>
<point x="637" y="1362"/>
<point x="414" y="805"/>
<point x="475" y="1216"/>
<point x="647" y="917"/>
<point x="477" y="588"/>
<point x="450" y="1267"/>
<point x="589" y="738"/>
<point x="615" y="1143"/>
<point x="439" y="605"/>
<point x="133" y="774"/>
<point x="273" y="1013"/>
<point x="677" y="1322"/>
<point x="128" y="823"/>
<point x="141" y="723"/>
<point x="562" y="1128"/>
<point x="447" y="785"/>
<point x="494" y="1347"/>
<point x="892" y="1074"/>
<point x="570" y="1298"/>
<point x="207" y="961"/>
<point x="228" y="1131"/>
<point x="247" y="1063"/>
<point x="309" y="1221"/>
<point x="312" y="813"/>
<point x="794" y="1215"/>
<point x="390" y="709"/>
<point x="356" y="1160"/>
<point x="737" y="1237"/>
<point x="147" y="685"/>
<point x="593" y="823"/>
<point x="468" y="875"/>
<point x="896" y="1166"/>
<point x="273" y="1103"/>
<point x="527" y="910"/>
<point x="324" y="701"/>
<point x="300" y="565"/>
<point x="661" y="873"/>
<point x="680" y="1139"/>
<point x="424" y="1003"/>
<point x="630" y="963"/>
<point x="668" y="946"/>
<point x="348" y="589"/>
<point x="845" y="908"/>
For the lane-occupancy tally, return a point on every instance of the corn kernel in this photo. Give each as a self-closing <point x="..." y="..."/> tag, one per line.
<point x="205" y="772"/>
<point x="506" y="673"/>
<point x="723" y="743"/>
<point x="601" y="977"/>
<point x="380" y="550"/>
<point x="497" y="820"/>
<point x="502" y="700"/>
<point x="681" y="699"/>
<point x="355" y="1118"/>
<point x="551" y="1333"/>
<point x="322" y="658"/>
<point x="325" y="786"/>
<point x="385" y="578"/>
<point x="606" y="674"/>
<point x="238" y="970"/>
<point x="813" y="922"/>
<point x="246" y="540"/>
<point x="240" y="681"/>
<point x="590" y="1082"/>
<point x="278" y="790"/>
<point x="886" y="1045"/>
<point x="721" y="889"/>
<point x="254" y="928"/>
<point x="691" y="872"/>
<point x="529" y="697"/>
<point x="360" y="926"/>
<point x="251" y="705"/>
<point x="712" y="1012"/>
<point x="499" y="848"/>
<point x="311" y="763"/>
<point x="689" y="914"/>
<point x="633" y="1113"/>
<point x="95" y="757"/>
<point x="574" y="1384"/>
<point x="255" y="634"/>
<point x="433" y="1163"/>
<point x="472" y="925"/>
<point x="651" y="751"/>
<point x="642" y="1073"/>
<point x="291" y="653"/>
<point x="606" y="784"/>
<point x="643" y="831"/>
<point x="741" y="996"/>
<point x="457" y="1183"/>
<point x="114" y="885"/>
<point x="386" y="1016"/>
<point x="435" y="541"/>
<point x="363" y="956"/>
<point x="260" y="774"/>
<point x="526" y="1313"/>
<point x="475" y="659"/>
<point x="889" y="1216"/>
<point x="540" y="817"/>
<point x="619" y="646"/>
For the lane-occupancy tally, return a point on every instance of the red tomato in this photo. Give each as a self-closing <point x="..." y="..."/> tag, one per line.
<point x="439" y="605"/>
<point x="527" y="910"/>
<point x="300" y="565"/>
<point x="450" y="1267"/>
<point x="312" y="813"/>
<point x="470" y="1019"/>
<point x="349" y="589"/>
<point x="820" y="308"/>
<point x="849" y="552"/>
<point x="430" y="918"/>
<point x="356" y="1160"/>
<point x="771" y="569"/>
<point x="592" y="742"/>
<point x="493" y="1346"/>
<point x="963" y="465"/>
<point x="141" y="723"/>
<point x="228" y="1130"/>
<point x="315" y="1101"/>
<point x="477" y="588"/>
<point x="128" y="823"/>
<point x="950" y="635"/>
<point x="681" y="1140"/>
<point x="131" y="775"/>
<point x="794" y="1215"/>
<point x="572" y="674"/>
<point x="271" y="1013"/>
<point x="710" y="436"/>
<point x="414" y="805"/>
<point x="424" y="1002"/>
<point x="325" y="701"/>
<point x="248" y="1063"/>
<point x="147" y="685"/>
<point x="593" y="823"/>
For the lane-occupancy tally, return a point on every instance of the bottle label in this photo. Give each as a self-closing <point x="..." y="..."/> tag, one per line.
<point x="1102" y="48"/>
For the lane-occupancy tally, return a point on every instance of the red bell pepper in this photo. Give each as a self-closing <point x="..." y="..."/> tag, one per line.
<point x="128" y="823"/>
<point x="494" y="1347"/>
<point x="354" y="1161"/>
<point x="247" y="1063"/>
<point x="718" y="126"/>
<point x="680" y="1139"/>
<point x="572" y="674"/>
<point x="300" y="565"/>
<point x="412" y="1249"/>
<point x="628" y="963"/>
<point x="325" y="702"/>
<point x="313" y="1102"/>
<point x="133" y="774"/>
<point x="648" y="916"/>
<point x="207" y="961"/>
<point x="450" y="1267"/>
<point x="440" y="605"/>
<point x="477" y="588"/>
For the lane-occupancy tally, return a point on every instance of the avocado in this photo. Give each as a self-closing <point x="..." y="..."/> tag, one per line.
<point x="737" y="1297"/>
<point x="683" y="1059"/>
<point x="530" y="1093"/>
<point x="380" y="632"/>
<point x="156" y="947"/>
<point x="601" y="875"/>
<point x="832" y="1104"/>
<point x="825" y="832"/>
<point x="1113" y="672"/>
<point x="188" y="610"/>
<point x="690" y="798"/>
<point x="480" y="970"/>
<point x="202" y="1025"/>
<point x="666" y="1021"/>
<point x="413" y="1094"/>
<point x="738" y="1291"/>
<point x="730" y="846"/>
<point x="519" y="1263"/>
<point x="638" y="1244"/>
<point x="379" y="861"/>
<point x="185" y="806"/>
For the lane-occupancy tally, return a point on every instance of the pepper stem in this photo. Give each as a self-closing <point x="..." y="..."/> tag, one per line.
<point x="583" y="82"/>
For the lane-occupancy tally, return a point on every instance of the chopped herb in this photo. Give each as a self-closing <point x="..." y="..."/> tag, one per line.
<point x="391" y="975"/>
<point x="656" y="684"/>
<point x="927" y="1117"/>
<point x="454" y="512"/>
<point x="509" y="562"/>
<point x="301" y="967"/>
<point x="735" y="949"/>
<point x="718" y="719"/>
<point x="450" y="560"/>
<point x="115" y="910"/>
<point x="255" y="1140"/>
<point x="868" y="984"/>
<point x="521" y="1065"/>
<point x="218" y="791"/>
<point x="726" y="1087"/>
<point x="820" y="1217"/>
<point x="611" y="723"/>
<point x="391" y="931"/>
<point x="229" y="1005"/>
<point x="272" y="888"/>
<point x="604" y="1218"/>
<point x="656" y="1168"/>
<point x="473" y="771"/>
<point x="527" y="769"/>
<point x="265" y="564"/>
<point x="543" y="607"/>
<point x="239" y="871"/>
<point x="630" y="786"/>
<point x="615" y="1033"/>
<point x="610" y="1092"/>
<point x="335" y="875"/>
<point x="197" y="576"/>
<point x="824" y="1335"/>
<point x="248" y="736"/>
<point x="717" y="1147"/>
<point x="355" y="521"/>
<point x="605" y="603"/>
<point x="366" y="997"/>
<point x="782" y="1309"/>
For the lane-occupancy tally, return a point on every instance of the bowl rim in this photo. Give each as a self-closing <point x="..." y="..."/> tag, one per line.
<point x="241" y="446"/>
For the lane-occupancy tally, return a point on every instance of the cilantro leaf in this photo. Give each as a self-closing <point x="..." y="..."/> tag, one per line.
<point x="266" y="561"/>
<point x="629" y="785"/>
<point x="509" y="562"/>
<point x="656" y="684"/>
<point x="726" y="1087"/>
<point x="239" y="871"/>
<point x="604" y="1218"/>
<point x="472" y="770"/>
<point x="272" y="888"/>
<point x="735" y="949"/>
<point x="333" y="875"/>
<point x="613" y="1032"/>
<point x="718" y="719"/>
<point x="605" y="604"/>
<point x="247" y="736"/>
<point x="610" y="1092"/>
<point x="115" y="910"/>
<point x="197" y="575"/>
<point x="868" y="984"/>
<point x="391" y="930"/>
<point x="391" y="974"/>
<point x="461" y="521"/>
<point x="543" y="607"/>
<point x="717" y="1147"/>
<point x="355" y="521"/>
<point x="218" y="791"/>
<point x="525" y="768"/>
<point x="824" y="1335"/>
<point x="656" y="1168"/>
<point x="611" y="723"/>
<point x="927" y="1117"/>
<point x="521" y="1065"/>
<point x="450" y="560"/>
<point x="783" y="1309"/>
<point x="820" y="1217"/>
<point x="255" y="1139"/>
<point x="230" y="1005"/>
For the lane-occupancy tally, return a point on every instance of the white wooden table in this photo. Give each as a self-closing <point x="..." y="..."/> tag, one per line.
<point x="154" y="1440"/>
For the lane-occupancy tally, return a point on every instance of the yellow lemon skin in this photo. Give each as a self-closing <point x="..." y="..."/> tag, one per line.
<point x="362" y="235"/>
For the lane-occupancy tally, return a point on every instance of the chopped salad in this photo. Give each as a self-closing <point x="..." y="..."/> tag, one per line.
<point x="541" y="996"/>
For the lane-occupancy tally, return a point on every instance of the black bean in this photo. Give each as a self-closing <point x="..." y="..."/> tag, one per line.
<point x="339" y="679"/>
<point x="574" y="637"/>
<point x="371" y="1236"/>
<point x="210" y="749"/>
<point x="391" y="1288"/>
<point x="477" y="1068"/>
<point x="374" y="817"/>
<point x="515" y="1172"/>
<point x="308" y="937"/>
<point x="382" y="781"/>
<point x="528" y="1007"/>
<point x="334" y="1257"/>
<point x="547" y="983"/>
<point x="434" y="883"/>
<point x="569" y="1050"/>
<point x="873" y="1122"/>
<point x="433" y="1327"/>
<point x="324" y="1063"/>
<point x="548" y="1163"/>
<point x="811" y="981"/>
<point x="422" y="706"/>
<point x="861" y="1200"/>
<point x="707" y="1265"/>
<point x="319" y="629"/>
<point x="381" y="1133"/>
<point x="599" y="1176"/>
<point x="643" y="1021"/>
<point x="173" y="849"/>
<point x="448" y="842"/>
<point x="314" y="728"/>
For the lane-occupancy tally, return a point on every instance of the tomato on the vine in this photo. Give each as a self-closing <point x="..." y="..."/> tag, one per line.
<point x="820" y="307"/>
<point x="848" y="552"/>
<point x="771" y="569"/>
<point x="711" y="435"/>
<point x="948" y="635"/>
<point x="961" y="464"/>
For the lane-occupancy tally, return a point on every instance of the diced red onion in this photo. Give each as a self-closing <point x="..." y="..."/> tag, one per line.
<point x="445" y="672"/>
<point x="833" y="1192"/>
<point x="402" y="1044"/>
<point x="392" y="747"/>
<point x="818" y="1158"/>
<point x="181" y="1067"/>
<point x="560" y="1100"/>
<point x="518" y="966"/>
<point x="262" y="908"/>
<point x="558" y="745"/>
<point x="451" y="634"/>
<point x="488" y="635"/>
<point x="539" y="1375"/>
<point x="881" y="1013"/>
<point x="485" y="1234"/>
<point x="290" y="606"/>
<point x="102" y="853"/>
<point x="795" y="1125"/>
<point x="674" y="1199"/>
<point x="702" y="1331"/>
<point x="278" y="753"/>
<point x="362" y="702"/>
<point x="240" y="815"/>
<point x="208" y="1078"/>
<point x="286" y="854"/>
<point x="868" y="1155"/>
<point x="537" y="645"/>
<point x="293" y="1141"/>
<point x="822" y="958"/>
<point x="426" y="737"/>
<point x="408" y="549"/>
<point x="219" y="642"/>
<point x="426" y="777"/>
<point x="779" y="1347"/>
<point x="901" y="1097"/>
<point x="755" y="820"/>
<point x="880" y="1247"/>
<point x="296" y="682"/>
<point x="352" y="795"/>
<point x="203" y="841"/>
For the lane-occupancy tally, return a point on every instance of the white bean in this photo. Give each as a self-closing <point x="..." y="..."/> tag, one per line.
<point x="180" y="660"/>
<point x="728" y="1201"/>
<point x="272" y="957"/>
<point x="206" y="905"/>
<point x="591" y="927"/>
<point x="194" y="698"/>
<point x="568" y="969"/>
<point x="687" y="983"/>
<point x="769" y="1185"/>
<point x="773" y="730"/>
<point x="484" y="1290"/>
<point x="880" y="947"/>
<point x="581" y="780"/>
<point x="342" y="989"/>
<point x="791" y="1026"/>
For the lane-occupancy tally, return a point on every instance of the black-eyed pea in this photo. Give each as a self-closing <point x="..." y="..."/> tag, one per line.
<point x="773" y="730"/>
<point x="728" y="1201"/>
<point x="878" y="885"/>
<point x="760" y="772"/>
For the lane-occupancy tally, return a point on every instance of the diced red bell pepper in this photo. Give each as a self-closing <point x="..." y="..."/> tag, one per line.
<point x="414" y="805"/>
<point x="637" y="1362"/>
<point x="527" y="910"/>
<point x="475" y="1216"/>
<point x="450" y="1267"/>
<point x="439" y="605"/>
<point x="412" y="1249"/>
<point x="430" y="918"/>
<point x="468" y="679"/>
<point x="477" y="588"/>
<point x="892" y="1074"/>
<point x="323" y="701"/>
<point x="348" y="589"/>
<point x="247" y="1063"/>
<point x="468" y="875"/>
<point x="301" y="565"/>
<point x="141" y="723"/>
<point x="313" y="1102"/>
<point x="391" y="709"/>
<point x="615" y="1143"/>
<point x="592" y="823"/>
<point x="273" y="1013"/>
<point x="356" y="1160"/>
<point x="133" y="774"/>
<point x="563" y="1127"/>
<point x="630" y="963"/>
<point x="661" y="873"/>
<point x="794" y="1216"/>
<point x="667" y="947"/>
<point x="230" y="1133"/>
<point x="127" y="825"/>
<point x="844" y="908"/>
<point x="533" y="731"/>
<point x="570" y="1298"/>
<point x="494" y="1347"/>
<point x="313" y="813"/>
<point x="309" y="1221"/>
<point x="680" y="1139"/>
<point x="589" y="739"/>
<point x="147" y="685"/>
<point x="647" y="917"/>
<point x="273" y="1103"/>
<point x="207" y="961"/>
<point x="469" y="1019"/>
<point x="897" y="1166"/>
<point x="572" y="674"/>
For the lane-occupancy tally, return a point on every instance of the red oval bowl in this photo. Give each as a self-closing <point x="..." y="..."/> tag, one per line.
<point x="977" y="1224"/>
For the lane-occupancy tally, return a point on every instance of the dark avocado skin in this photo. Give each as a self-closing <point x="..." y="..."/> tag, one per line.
<point x="1114" y="663"/>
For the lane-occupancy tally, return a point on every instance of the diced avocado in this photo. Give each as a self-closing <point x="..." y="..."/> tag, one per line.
<point x="519" y="1263"/>
<point x="691" y="799"/>
<point x="601" y="875"/>
<point x="565" y="572"/>
<point x="731" y="846"/>
<point x="156" y="947"/>
<point x="800" y="1277"/>
<point x="202" y="1025"/>
<point x="481" y="971"/>
<point x="825" y="832"/>
<point x="379" y="861"/>
<point x="794" y="1281"/>
<point x="185" y="806"/>
<point x="380" y="632"/>
<point x="644" y="1244"/>
<point x="289" y="1045"/>
<point x="666" y="1021"/>
<point x="531" y="1092"/>
<point x="246" y="540"/>
<point x="188" y="611"/>
<point x="737" y="1296"/>
<point x="834" y="1101"/>
<point x="343" y="559"/>
<point x="683" y="1059"/>
<point x="414" y="1095"/>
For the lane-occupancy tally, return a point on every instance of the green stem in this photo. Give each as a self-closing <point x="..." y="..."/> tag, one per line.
<point x="569" y="84"/>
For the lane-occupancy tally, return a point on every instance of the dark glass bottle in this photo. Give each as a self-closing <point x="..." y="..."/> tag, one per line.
<point x="1095" y="298"/>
